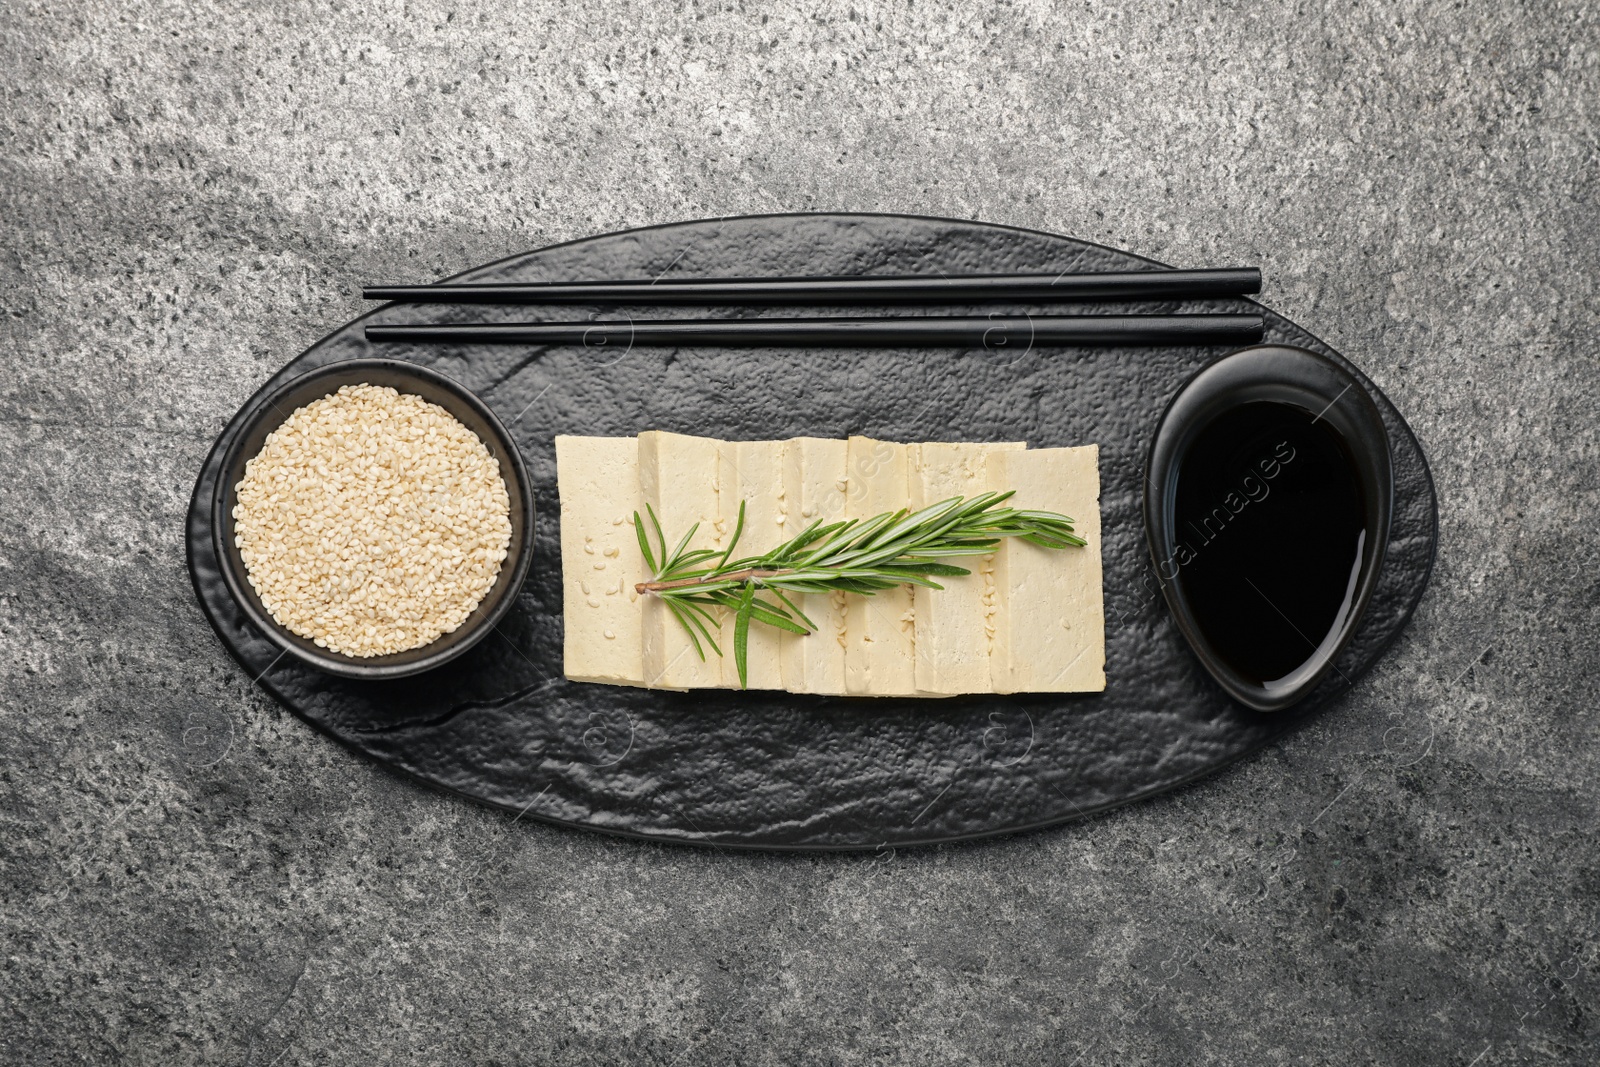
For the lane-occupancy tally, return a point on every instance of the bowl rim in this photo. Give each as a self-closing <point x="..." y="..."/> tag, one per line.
<point x="264" y="407"/>
<point x="1269" y="372"/>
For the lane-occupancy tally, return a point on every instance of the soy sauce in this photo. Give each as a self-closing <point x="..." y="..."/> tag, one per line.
<point x="1270" y="527"/>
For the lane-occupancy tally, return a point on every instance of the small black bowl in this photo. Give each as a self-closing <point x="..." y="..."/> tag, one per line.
<point x="1246" y="389"/>
<point x="270" y="410"/>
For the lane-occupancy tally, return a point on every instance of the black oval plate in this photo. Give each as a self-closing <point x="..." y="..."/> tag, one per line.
<point x="770" y="770"/>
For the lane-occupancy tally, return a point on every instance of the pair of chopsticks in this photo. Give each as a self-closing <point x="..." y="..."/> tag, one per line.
<point x="958" y="331"/>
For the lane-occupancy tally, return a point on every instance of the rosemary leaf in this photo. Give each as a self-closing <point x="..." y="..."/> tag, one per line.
<point x="741" y="630"/>
<point x="644" y="543"/>
<point x="659" y="535"/>
<point x="738" y="528"/>
<point x="810" y="626"/>
<point x="685" y="618"/>
<point x="677" y="552"/>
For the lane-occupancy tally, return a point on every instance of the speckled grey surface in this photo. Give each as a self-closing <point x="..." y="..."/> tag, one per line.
<point x="191" y="196"/>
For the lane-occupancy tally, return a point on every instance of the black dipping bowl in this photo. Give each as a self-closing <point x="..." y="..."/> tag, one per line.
<point x="1301" y="379"/>
<point x="270" y="410"/>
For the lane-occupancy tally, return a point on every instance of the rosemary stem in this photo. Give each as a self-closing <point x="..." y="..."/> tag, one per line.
<point x="730" y="576"/>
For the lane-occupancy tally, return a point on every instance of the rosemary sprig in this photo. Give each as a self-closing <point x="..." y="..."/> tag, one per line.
<point x="861" y="556"/>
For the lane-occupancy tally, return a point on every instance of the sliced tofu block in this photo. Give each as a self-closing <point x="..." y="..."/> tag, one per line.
<point x="814" y="488"/>
<point x="1049" y="629"/>
<point x="678" y="477"/>
<point x="600" y="560"/>
<point x="752" y="472"/>
<point x="880" y="644"/>
<point x="953" y="624"/>
<point x="1028" y="619"/>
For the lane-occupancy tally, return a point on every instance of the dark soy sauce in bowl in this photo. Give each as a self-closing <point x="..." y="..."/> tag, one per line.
<point x="1268" y="498"/>
<point x="1271" y="528"/>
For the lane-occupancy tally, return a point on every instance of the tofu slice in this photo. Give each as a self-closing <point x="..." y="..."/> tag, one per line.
<point x="752" y="472"/>
<point x="880" y="641"/>
<point x="1049" y="629"/>
<point x="814" y="488"/>
<point x="600" y="559"/>
<point x="678" y="477"/>
<point x="953" y="625"/>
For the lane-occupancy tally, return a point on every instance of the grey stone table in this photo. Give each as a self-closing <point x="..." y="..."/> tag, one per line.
<point x="192" y="193"/>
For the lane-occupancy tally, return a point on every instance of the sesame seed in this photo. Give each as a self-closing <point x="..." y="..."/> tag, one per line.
<point x="372" y="521"/>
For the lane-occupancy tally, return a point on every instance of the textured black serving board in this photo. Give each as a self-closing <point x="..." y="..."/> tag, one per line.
<point x="773" y="770"/>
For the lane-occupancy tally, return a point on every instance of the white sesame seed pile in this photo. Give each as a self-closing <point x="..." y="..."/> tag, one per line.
<point x="372" y="521"/>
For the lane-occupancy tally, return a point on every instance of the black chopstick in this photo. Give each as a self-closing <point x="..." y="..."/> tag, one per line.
<point x="1147" y="284"/>
<point x="1011" y="331"/>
